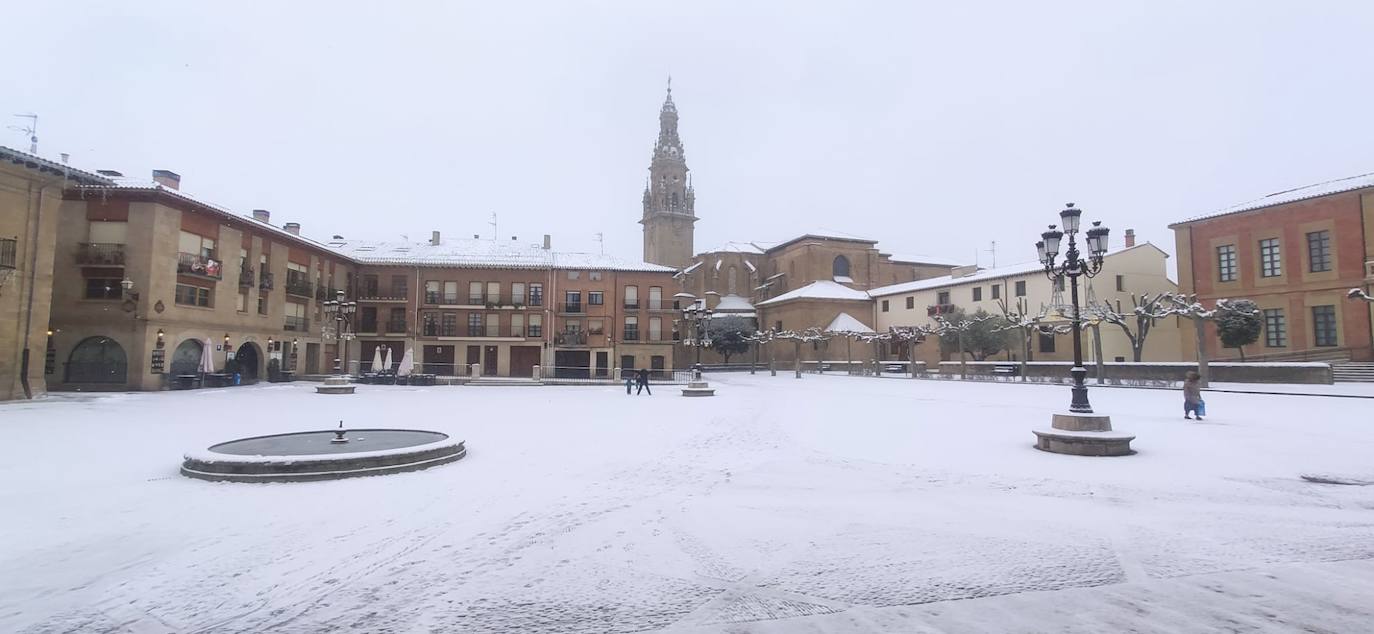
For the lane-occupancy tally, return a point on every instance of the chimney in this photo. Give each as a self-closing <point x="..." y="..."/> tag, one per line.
<point x="1130" y="238"/>
<point x="262" y="215"/>
<point x="512" y="238"/>
<point x="65" y="156"/>
<point x="338" y="237"/>
<point x="475" y="236"/>
<point x="110" y="173"/>
<point x="434" y="238"/>
<point x="167" y="178"/>
<point x="293" y="228"/>
<point x="548" y="242"/>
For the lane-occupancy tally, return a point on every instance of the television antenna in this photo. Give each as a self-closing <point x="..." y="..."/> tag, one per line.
<point x="494" y="234"/>
<point x="993" y="250"/>
<point x="601" y="242"/>
<point x="31" y="129"/>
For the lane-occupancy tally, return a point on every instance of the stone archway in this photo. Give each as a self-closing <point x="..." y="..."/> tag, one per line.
<point x="187" y="357"/>
<point x="249" y="359"/>
<point x="97" y="360"/>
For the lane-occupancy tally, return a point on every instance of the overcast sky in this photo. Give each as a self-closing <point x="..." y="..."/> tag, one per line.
<point x="934" y="127"/>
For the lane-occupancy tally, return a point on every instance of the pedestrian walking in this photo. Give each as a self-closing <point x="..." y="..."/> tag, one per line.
<point x="642" y="378"/>
<point x="629" y="382"/>
<point x="1192" y="396"/>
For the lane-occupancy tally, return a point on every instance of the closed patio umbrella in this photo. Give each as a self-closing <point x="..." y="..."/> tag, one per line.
<point x="407" y="363"/>
<point x="377" y="359"/>
<point x="386" y="360"/>
<point x="207" y="356"/>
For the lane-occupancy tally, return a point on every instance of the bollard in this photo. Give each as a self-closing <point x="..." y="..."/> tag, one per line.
<point x="536" y="373"/>
<point x="476" y="370"/>
<point x="772" y="370"/>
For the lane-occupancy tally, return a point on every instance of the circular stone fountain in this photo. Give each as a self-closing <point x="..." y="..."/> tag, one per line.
<point x="322" y="455"/>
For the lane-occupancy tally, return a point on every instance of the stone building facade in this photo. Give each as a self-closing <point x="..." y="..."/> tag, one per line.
<point x="1134" y="269"/>
<point x="149" y="281"/>
<point x="1296" y="253"/>
<point x="30" y="215"/>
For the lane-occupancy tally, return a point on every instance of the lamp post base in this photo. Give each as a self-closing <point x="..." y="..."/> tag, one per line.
<point x="1079" y="434"/>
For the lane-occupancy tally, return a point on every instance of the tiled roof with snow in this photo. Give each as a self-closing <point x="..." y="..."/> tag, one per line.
<point x="33" y="161"/>
<point x="464" y="252"/>
<point x="923" y="259"/>
<point x="597" y="261"/>
<point x="844" y="322"/>
<point x="1292" y="195"/>
<point x="1023" y="268"/>
<point x="820" y="289"/>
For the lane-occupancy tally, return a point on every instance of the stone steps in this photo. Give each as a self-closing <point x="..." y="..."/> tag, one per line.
<point x="1353" y="372"/>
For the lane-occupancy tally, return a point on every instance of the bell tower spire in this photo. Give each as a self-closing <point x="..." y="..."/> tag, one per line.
<point x="669" y="201"/>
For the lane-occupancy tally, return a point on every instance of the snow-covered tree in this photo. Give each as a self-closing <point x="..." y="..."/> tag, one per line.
<point x="953" y="332"/>
<point x="1029" y="324"/>
<point x="1146" y="310"/>
<point x="1239" y="324"/>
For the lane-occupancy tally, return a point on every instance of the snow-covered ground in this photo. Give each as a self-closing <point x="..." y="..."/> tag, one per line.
<point x="828" y="504"/>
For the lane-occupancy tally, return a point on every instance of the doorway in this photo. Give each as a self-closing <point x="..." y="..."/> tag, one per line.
<point x="489" y="361"/>
<point x="603" y="364"/>
<point x="248" y="360"/>
<point x="97" y="360"/>
<point x="312" y="358"/>
<point x="439" y="360"/>
<point x="523" y="359"/>
<point x="474" y="358"/>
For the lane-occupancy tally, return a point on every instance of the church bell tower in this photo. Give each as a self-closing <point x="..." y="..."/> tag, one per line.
<point x="669" y="202"/>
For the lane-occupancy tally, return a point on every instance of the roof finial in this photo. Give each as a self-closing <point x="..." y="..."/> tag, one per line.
<point x="670" y="85"/>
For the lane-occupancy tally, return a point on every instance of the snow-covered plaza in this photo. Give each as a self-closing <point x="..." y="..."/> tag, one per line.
<point x="828" y="504"/>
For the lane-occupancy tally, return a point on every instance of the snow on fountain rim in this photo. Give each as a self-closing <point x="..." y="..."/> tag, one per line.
<point x="206" y="456"/>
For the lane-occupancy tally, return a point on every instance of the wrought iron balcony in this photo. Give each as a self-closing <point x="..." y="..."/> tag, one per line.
<point x="631" y="304"/>
<point x="297" y="324"/>
<point x="630" y="334"/>
<point x="102" y="254"/>
<point x="246" y="276"/>
<point x="265" y="282"/>
<point x="576" y="338"/>
<point x="572" y="309"/>
<point x="397" y="326"/>
<point x="299" y="286"/>
<point x="200" y="265"/>
<point x="440" y="330"/>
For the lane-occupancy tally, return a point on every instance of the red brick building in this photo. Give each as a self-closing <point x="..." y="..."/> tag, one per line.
<point x="1295" y="253"/>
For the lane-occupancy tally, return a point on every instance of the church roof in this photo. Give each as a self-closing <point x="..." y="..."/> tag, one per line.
<point x="820" y="289"/>
<point x="733" y="303"/>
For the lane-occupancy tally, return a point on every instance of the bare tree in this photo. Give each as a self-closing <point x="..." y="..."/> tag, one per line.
<point x="958" y="327"/>
<point x="1136" y="323"/>
<point x="809" y="335"/>
<point x="1030" y="324"/>
<point x="1188" y="307"/>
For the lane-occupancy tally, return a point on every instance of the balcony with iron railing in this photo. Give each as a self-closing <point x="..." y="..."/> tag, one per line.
<point x="367" y="294"/>
<point x="367" y="326"/>
<point x="296" y="324"/>
<point x="631" y="304"/>
<point x="298" y="285"/>
<point x="940" y="309"/>
<point x="629" y="334"/>
<point x="205" y="266"/>
<point x="326" y="293"/>
<point x="396" y="326"/>
<point x="265" y="281"/>
<point x="9" y="251"/>
<point x="436" y="298"/>
<point x="100" y="254"/>
<point x="247" y="276"/>
<point x="439" y="330"/>
<point x="572" y="309"/>
<point x="574" y="338"/>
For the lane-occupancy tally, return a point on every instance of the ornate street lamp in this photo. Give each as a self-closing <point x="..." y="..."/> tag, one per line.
<point x="342" y="312"/>
<point x="1073" y="266"/>
<point x="697" y="317"/>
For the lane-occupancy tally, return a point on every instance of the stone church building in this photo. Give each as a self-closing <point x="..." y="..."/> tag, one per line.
<point x="818" y="278"/>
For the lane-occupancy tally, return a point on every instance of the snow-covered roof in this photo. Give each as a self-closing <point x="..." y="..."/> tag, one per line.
<point x="603" y="262"/>
<point x="740" y="247"/>
<point x="467" y="252"/>
<point x="1292" y="195"/>
<point x="823" y="234"/>
<point x="124" y="183"/>
<point x="844" y="322"/>
<point x="1000" y="272"/>
<point x="33" y="161"/>
<point x="733" y="303"/>
<point x="820" y="289"/>
<point x="482" y="253"/>
<point x="924" y="259"/>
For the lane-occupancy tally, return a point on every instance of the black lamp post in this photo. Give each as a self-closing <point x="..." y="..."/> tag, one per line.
<point x="1074" y="266"/>
<point x="342" y="311"/>
<point x="698" y="319"/>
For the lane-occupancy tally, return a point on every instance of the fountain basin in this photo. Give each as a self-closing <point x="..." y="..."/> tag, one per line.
<point x="309" y="456"/>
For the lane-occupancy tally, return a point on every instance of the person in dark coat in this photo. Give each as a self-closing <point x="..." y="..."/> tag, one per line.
<point x="642" y="379"/>
<point x="1192" y="395"/>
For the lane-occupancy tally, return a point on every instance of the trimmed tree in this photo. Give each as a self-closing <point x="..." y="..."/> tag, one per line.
<point x="1239" y="324"/>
